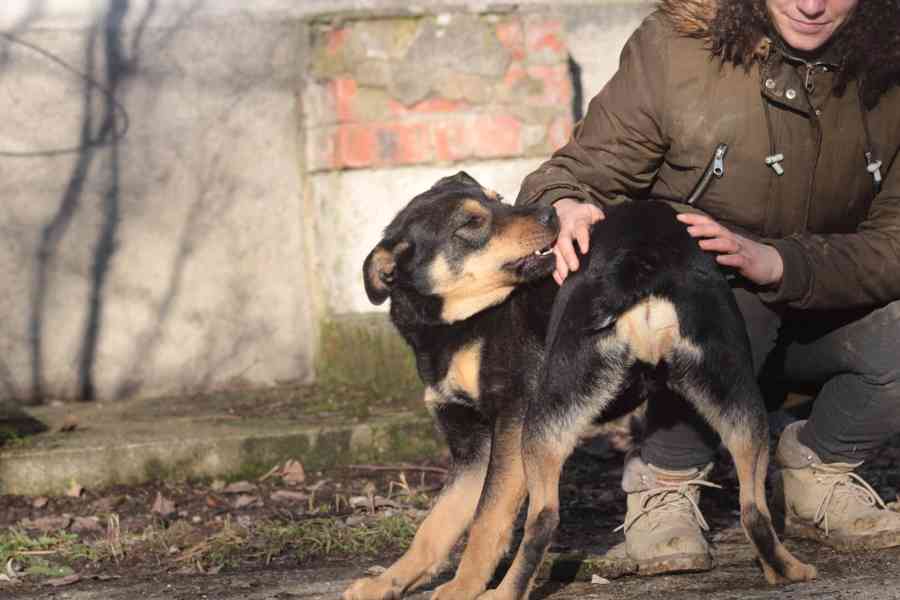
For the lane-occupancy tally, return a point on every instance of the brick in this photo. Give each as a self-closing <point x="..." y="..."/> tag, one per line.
<point x="336" y="39"/>
<point x="544" y="39"/>
<point x="357" y="146"/>
<point x="430" y="105"/>
<point x="512" y="37"/>
<point x="344" y="90"/>
<point x="497" y="135"/>
<point x="452" y="139"/>
<point x="404" y="143"/>
<point x="559" y="132"/>
<point x="556" y="87"/>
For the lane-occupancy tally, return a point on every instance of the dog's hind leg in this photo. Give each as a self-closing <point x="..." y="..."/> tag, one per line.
<point x="469" y="439"/>
<point x="492" y="528"/>
<point x="549" y="437"/>
<point x="730" y="400"/>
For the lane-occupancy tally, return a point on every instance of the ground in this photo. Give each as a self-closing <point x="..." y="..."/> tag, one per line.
<point x="296" y="534"/>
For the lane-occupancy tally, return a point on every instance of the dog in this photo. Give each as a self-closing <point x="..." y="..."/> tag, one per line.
<point x="517" y="372"/>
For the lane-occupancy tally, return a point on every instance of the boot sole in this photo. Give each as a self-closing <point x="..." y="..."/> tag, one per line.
<point x="887" y="539"/>
<point x="676" y="563"/>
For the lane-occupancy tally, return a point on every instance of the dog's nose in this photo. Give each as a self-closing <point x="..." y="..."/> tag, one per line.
<point x="547" y="217"/>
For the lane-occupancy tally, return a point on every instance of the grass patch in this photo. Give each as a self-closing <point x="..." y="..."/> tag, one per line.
<point x="46" y="554"/>
<point x="329" y="538"/>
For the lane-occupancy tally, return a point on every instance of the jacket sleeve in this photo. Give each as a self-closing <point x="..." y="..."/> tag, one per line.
<point x="616" y="150"/>
<point x="846" y="270"/>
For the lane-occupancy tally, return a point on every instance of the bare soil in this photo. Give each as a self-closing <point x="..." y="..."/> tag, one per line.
<point x="273" y="538"/>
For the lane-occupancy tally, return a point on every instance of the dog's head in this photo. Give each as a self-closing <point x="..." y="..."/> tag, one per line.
<point x="459" y="244"/>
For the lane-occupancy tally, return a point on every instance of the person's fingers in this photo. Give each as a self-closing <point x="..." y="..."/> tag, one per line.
<point x="567" y="250"/>
<point x="596" y="213"/>
<point x="582" y="236"/>
<point x="694" y="219"/>
<point x="737" y="261"/>
<point x="724" y="245"/>
<point x="562" y="268"/>
<point x="706" y="230"/>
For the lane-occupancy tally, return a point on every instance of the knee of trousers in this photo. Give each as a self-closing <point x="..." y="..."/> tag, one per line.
<point x="877" y="350"/>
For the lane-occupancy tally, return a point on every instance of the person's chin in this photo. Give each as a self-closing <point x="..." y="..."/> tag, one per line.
<point x="806" y="42"/>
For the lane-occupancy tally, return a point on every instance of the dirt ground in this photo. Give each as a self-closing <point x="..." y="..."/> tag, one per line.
<point x="293" y="534"/>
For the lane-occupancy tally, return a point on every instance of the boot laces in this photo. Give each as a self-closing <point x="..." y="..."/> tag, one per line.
<point x="671" y="499"/>
<point x="842" y="485"/>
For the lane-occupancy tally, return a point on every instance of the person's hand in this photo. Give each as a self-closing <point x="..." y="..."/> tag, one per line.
<point x="760" y="263"/>
<point x="575" y="220"/>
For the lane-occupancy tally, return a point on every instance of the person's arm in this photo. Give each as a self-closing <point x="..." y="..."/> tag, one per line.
<point x="614" y="152"/>
<point x="846" y="270"/>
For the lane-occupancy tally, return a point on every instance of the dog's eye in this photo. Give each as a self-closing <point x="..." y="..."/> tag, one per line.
<point x="474" y="221"/>
<point x="473" y="227"/>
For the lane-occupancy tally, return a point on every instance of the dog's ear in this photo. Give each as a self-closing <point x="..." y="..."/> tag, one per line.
<point x="380" y="271"/>
<point x="460" y="178"/>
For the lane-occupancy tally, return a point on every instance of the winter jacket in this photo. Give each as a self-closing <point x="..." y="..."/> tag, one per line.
<point x="653" y="130"/>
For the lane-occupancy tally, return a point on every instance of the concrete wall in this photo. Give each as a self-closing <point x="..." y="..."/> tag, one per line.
<point x="173" y="219"/>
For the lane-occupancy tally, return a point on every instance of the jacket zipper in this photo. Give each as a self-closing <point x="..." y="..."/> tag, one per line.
<point x="715" y="168"/>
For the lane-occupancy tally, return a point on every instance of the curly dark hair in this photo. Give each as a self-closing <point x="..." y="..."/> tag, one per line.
<point x="869" y="42"/>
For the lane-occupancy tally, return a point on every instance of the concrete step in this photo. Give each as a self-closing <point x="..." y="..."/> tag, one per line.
<point x="135" y="441"/>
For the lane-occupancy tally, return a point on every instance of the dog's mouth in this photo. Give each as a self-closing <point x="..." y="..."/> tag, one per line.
<point x="536" y="264"/>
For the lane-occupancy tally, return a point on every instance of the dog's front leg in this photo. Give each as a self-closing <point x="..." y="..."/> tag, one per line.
<point x="492" y="530"/>
<point x="468" y="436"/>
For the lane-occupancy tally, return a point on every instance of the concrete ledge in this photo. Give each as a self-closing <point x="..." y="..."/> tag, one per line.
<point x="112" y="450"/>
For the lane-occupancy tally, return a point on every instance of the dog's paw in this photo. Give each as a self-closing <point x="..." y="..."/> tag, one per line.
<point x="457" y="590"/>
<point x="373" y="588"/>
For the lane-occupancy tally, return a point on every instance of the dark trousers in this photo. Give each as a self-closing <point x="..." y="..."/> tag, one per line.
<point x="852" y="357"/>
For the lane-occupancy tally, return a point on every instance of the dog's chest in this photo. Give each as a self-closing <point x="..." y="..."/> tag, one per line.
<point x="461" y="381"/>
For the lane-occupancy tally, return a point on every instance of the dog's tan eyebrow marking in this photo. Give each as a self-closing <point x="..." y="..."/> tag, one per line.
<point x="475" y="207"/>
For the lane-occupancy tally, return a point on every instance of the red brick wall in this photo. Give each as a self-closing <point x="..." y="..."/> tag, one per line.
<point x="517" y="104"/>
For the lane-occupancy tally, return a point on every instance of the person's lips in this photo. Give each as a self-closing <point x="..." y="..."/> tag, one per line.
<point x="807" y="27"/>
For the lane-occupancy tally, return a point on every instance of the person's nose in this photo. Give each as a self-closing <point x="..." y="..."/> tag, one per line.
<point x="811" y="9"/>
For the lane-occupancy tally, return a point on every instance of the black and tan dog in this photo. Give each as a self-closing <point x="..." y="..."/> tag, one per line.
<point x="516" y="373"/>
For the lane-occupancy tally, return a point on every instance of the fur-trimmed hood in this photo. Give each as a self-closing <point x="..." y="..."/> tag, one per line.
<point x="738" y="31"/>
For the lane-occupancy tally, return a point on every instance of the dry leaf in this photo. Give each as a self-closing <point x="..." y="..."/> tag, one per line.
<point x="292" y="473"/>
<point x="40" y="502"/>
<point x="74" y="490"/>
<point x="245" y="500"/>
<point x="86" y="524"/>
<point x="70" y="423"/>
<point x="47" y="523"/>
<point x="239" y="487"/>
<point x="107" y="503"/>
<point x="67" y="580"/>
<point x="288" y="496"/>
<point x="162" y="506"/>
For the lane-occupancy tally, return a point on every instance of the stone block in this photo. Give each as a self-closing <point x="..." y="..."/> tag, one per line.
<point x="545" y="40"/>
<point x="555" y="85"/>
<point x="511" y="35"/>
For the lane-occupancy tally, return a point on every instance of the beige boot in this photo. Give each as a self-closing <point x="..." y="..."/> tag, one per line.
<point x="664" y="526"/>
<point x="828" y="502"/>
